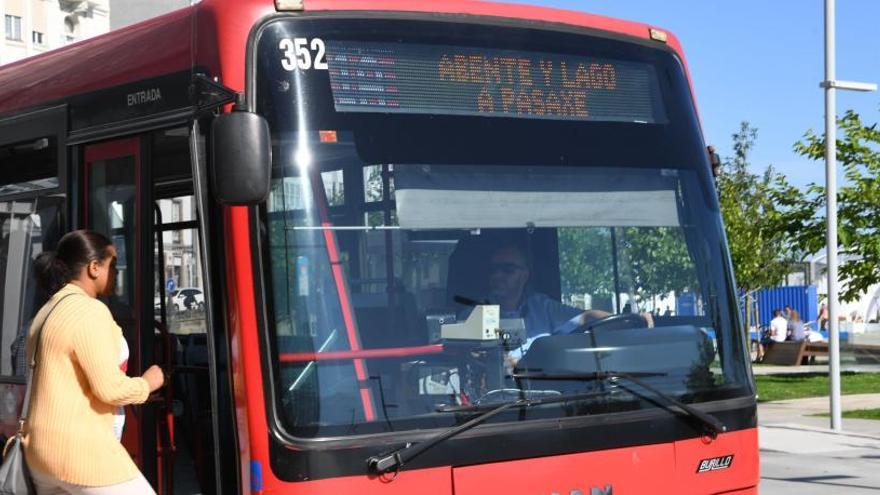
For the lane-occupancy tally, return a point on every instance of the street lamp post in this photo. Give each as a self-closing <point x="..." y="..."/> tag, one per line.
<point x="831" y="85"/>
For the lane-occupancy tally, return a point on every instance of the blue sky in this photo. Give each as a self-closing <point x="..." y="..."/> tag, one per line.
<point x="761" y="61"/>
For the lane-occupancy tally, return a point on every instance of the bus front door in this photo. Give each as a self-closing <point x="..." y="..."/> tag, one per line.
<point x="116" y="203"/>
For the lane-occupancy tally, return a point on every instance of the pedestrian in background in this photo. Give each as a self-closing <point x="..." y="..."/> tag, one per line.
<point x="775" y="333"/>
<point x="778" y="327"/>
<point x="796" y="331"/>
<point x="69" y="440"/>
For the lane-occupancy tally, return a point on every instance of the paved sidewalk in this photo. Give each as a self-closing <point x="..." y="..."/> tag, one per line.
<point x="803" y="411"/>
<point x="800" y="454"/>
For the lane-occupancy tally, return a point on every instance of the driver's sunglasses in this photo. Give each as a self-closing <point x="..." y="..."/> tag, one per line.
<point x="505" y="268"/>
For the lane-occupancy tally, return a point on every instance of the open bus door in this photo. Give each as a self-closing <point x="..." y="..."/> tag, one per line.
<point x="116" y="204"/>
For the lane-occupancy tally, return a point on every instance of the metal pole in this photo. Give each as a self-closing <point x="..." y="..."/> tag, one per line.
<point x="616" y="302"/>
<point x="831" y="215"/>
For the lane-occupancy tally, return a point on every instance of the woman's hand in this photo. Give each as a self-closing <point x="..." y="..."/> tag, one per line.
<point x="155" y="377"/>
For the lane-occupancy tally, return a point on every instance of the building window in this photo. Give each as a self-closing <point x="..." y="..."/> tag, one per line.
<point x="13" y="28"/>
<point x="37" y="37"/>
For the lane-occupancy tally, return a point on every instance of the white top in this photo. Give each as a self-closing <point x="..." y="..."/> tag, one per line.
<point x="778" y="328"/>
<point x="119" y="418"/>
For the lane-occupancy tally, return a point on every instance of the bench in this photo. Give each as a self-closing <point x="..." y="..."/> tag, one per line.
<point x="793" y="353"/>
<point x="784" y="353"/>
<point x="813" y="349"/>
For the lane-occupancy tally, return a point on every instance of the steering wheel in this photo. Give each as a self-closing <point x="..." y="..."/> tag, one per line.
<point x="618" y="322"/>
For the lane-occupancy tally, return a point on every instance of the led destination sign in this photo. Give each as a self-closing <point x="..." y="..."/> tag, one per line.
<point x="448" y="80"/>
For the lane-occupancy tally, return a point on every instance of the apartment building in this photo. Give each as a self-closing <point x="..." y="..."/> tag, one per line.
<point x="31" y="27"/>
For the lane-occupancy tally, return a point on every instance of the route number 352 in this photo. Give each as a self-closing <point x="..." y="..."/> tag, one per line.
<point x="302" y="54"/>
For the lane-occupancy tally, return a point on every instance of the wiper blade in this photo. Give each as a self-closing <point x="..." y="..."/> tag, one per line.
<point x="477" y="407"/>
<point x="395" y="460"/>
<point x="713" y="425"/>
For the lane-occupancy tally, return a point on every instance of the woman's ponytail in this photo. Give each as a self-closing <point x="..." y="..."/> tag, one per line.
<point x="52" y="273"/>
<point x="75" y="250"/>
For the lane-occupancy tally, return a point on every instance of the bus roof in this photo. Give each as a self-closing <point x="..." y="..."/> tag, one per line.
<point x="168" y="44"/>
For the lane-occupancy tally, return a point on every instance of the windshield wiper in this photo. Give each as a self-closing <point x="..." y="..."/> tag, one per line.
<point x="394" y="461"/>
<point x="713" y="425"/>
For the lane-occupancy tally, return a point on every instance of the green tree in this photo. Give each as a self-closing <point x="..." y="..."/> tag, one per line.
<point x="651" y="261"/>
<point x="659" y="261"/>
<point x="585" y="261"/>
<point x="858" y="205"/>
<point x="755" y="221"/>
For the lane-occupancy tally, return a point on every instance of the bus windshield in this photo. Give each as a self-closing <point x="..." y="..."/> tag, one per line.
<point x="451" y="215"/>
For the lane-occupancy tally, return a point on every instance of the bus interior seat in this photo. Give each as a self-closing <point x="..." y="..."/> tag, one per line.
<point x="387" y="319"/>
<point x="192" y="388"/>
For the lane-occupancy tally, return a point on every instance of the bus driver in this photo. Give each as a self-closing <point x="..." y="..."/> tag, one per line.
<point x="508" y="287"/>
<point x="541" y="314"/>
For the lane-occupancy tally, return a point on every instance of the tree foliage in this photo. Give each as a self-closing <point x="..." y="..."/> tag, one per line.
<point x="858" y="205"/>
<point x="585" y="261"/>
<point x="651" y="261"/>
<point x="755" y="221"/>
<point x="659" y="261"/>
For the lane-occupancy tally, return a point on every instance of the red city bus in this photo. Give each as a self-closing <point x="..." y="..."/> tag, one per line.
<point x="392" y="247"/>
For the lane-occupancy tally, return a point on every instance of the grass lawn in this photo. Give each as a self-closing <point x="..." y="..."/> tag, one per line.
<point x="858" y="414"/>
<point x="798" y="386"/>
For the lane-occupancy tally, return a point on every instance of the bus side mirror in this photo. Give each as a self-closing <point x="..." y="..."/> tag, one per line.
<point x="241" y="150"/>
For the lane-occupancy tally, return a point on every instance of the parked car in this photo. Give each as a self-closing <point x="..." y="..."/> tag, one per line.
<point x="188" y="298"/>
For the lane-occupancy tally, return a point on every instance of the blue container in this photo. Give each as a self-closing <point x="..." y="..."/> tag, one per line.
<point x="803" y="298"/>
<point x="686" y="304"/>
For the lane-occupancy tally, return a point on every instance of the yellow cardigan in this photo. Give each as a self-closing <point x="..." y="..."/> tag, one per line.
<point x="77" y="387"/>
